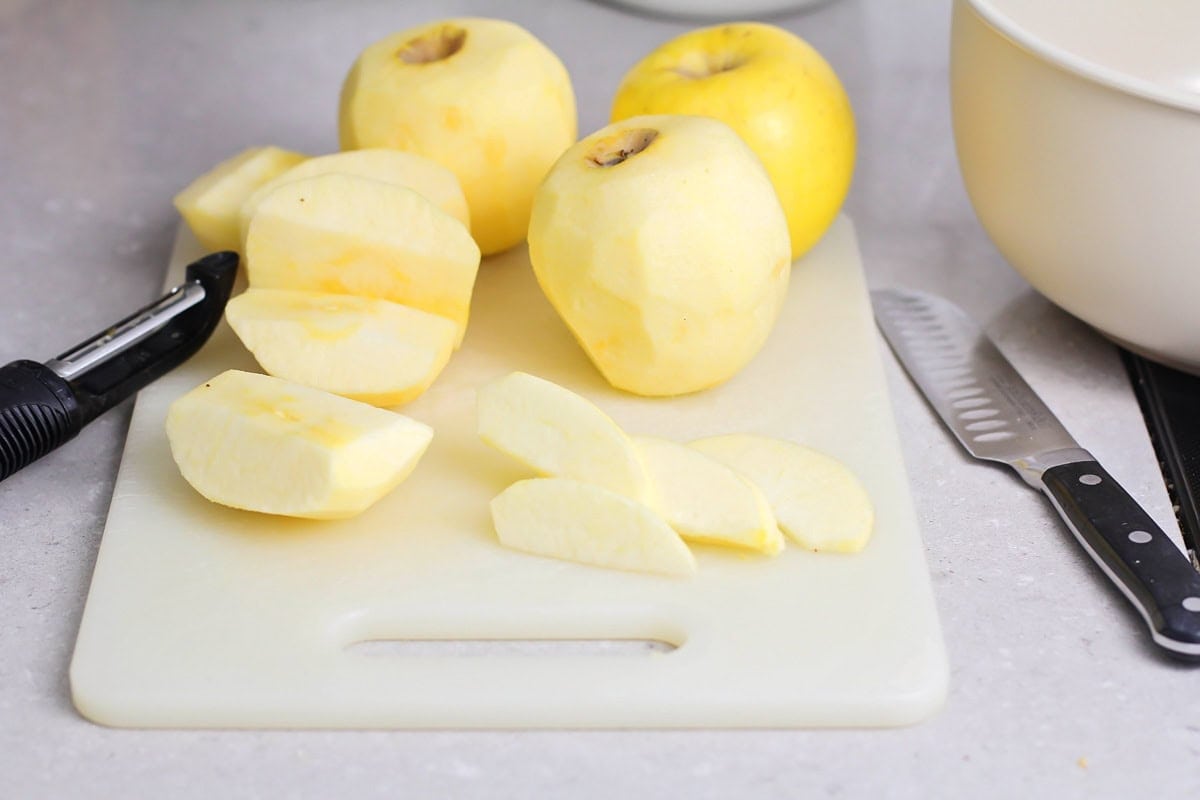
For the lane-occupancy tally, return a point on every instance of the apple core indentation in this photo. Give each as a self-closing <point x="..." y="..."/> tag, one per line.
<point x="436" y="44"/>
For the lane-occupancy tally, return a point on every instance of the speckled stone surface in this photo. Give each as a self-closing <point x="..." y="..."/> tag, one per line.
<point x="108" y="108"/>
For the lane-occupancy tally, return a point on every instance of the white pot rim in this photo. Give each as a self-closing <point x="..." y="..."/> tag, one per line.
<point x="1128" y="81"/>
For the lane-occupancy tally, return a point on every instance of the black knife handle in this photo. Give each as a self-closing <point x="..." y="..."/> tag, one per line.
<point x="38" y="412"/>
<point x="1132" y="550"/>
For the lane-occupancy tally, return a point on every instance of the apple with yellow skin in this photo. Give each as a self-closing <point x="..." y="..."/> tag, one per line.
<point x="662" y="245"/>
<point x="482" y="97"/>
<point x="777" y="92"/>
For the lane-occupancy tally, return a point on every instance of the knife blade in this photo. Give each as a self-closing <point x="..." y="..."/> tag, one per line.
<point x="997" y="416"/>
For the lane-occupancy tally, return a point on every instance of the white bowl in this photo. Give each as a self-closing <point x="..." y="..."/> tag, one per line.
<point x="1077" y="124"/>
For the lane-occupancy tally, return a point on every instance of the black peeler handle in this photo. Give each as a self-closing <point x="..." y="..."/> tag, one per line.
<point x="44" y="405"/>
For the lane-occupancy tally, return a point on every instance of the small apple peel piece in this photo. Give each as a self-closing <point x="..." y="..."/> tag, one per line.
<point x="583" y="522"/>
<point x="819" y="503"/>
<point x="559" y="433"/>
<point x="263" y="444"/>
<point x="374" y="351"/>
<point x="706" y="501"/>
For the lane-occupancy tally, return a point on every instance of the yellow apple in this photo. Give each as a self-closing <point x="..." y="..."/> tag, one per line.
<point x="662" y="245"/>
<point x="370" y="350"/>
<point x="262" y="444"/>
<point x="343" y="234"/>
<point x="706" y="501"/>
<point x="559" y="433"/>
<point x="777" y="92"/>
<point x="818" y="501"/>
<point x="577" y="521"/>
<point x="210" y="204"/>
<point x="482" y="97"/>
<point x="432" y="181"/>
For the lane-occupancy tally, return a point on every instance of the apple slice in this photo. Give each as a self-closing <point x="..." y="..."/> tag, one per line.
<point x="263" y="444"/>
<point x="210" y="204"/>
<point x="557" y="432"/>
<point x="577" y="521"/>
<point x="432" y="181"/>
<point x="706" y="501"/>
<point x="818" y="501"/>
<point x="370" y="350"/>
<point x="345" y="234"/>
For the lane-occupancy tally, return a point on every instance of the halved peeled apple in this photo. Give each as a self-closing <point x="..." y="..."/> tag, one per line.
<point x="570" y="519"/>
<point x="210" y="204"/>
<point x="558" y="433"/>
<point x="370" y="350"/>
<point x="432" y="181"/>
<point x="345" y="234"/>
<point x="819" y="503"/>
<point x="706" y="501"/>
<point x="264" y="444"/>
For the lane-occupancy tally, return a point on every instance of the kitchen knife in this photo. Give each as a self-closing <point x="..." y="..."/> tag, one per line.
<point x="44" y="405"/>
<point x="998" y="417"/>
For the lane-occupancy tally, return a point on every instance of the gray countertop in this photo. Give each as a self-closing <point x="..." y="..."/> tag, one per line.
<point x="108" y="108"/>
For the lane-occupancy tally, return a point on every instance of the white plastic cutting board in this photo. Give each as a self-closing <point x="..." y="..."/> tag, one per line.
<point x="203" y="616"/>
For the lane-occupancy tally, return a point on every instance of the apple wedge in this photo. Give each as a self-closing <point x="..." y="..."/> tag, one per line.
<point x="818" y="501"/>
<point x="344" y="234"/>
<point x="432" y="181"/>
<point x="706" y="501"/>
<point x="558" y="433"/>
<point x="374" y="351"/>
<point x="263" y="444"/>
<point x="577" y="521"/>
<point x="210" y="205"/>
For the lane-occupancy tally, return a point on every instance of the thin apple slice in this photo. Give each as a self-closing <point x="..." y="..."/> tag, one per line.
<point x="558" y="433"/>
<point x="374" y="351"/>
<point x="432" y="181"/>
<point x="706" y="501"/>
<point x="211" y="203"/>
<point x="345" y="234"/>
<point x="818" y="501"/>
<point x="577" y="521"/>
<point x="263" y="444"/>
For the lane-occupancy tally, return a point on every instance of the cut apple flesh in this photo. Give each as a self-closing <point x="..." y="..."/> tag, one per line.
<point x="819" y="503"/>
<point x="558" y="433"/>
<point x="706" y="501"/>
<point x="343" y="234"/>
<point x="432" y="181"/>
<point x="210" y="205"/>
<point x="569" y="519"/>
<point x="263" y="444"/>
<point x="370" y="350"/>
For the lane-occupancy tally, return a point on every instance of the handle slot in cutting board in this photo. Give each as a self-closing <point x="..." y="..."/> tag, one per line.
<point x="203" y="616"/>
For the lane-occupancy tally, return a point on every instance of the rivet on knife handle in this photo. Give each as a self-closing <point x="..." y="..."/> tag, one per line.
<point x="998" y="417"/>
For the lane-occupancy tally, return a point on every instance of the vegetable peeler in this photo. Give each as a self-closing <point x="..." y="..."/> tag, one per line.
<point x="45" y="405"/>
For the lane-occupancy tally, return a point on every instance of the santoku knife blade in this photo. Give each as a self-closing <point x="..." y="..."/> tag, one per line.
<point x="998" y="417"/>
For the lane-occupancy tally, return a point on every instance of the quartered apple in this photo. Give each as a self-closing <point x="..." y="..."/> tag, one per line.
<point x="564" y="518"/>
<point x="263" y="444"/>
<point x="706" y="501"/>
<point x="345" y="234"/>
<point x="432" y="181"/>
<point x="818" y="501"/>
<point x="210" y="204"/>
<point x="370" y="350"/>
<point x="559" y="433"/>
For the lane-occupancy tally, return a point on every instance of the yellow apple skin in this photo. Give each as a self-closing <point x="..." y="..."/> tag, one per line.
<point x="369" y="350"/>
<point x="777" y="92"/>
<point x="210" y="204"/>
<point x="432" y="181"/>
<point x="342" y="234"/>
<point x="263" y="444"/>
<point x="576" y="521"/>
<point x="662" y="245"/>
<point x="482" y="97"/>
<point x="818" y="501"/>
